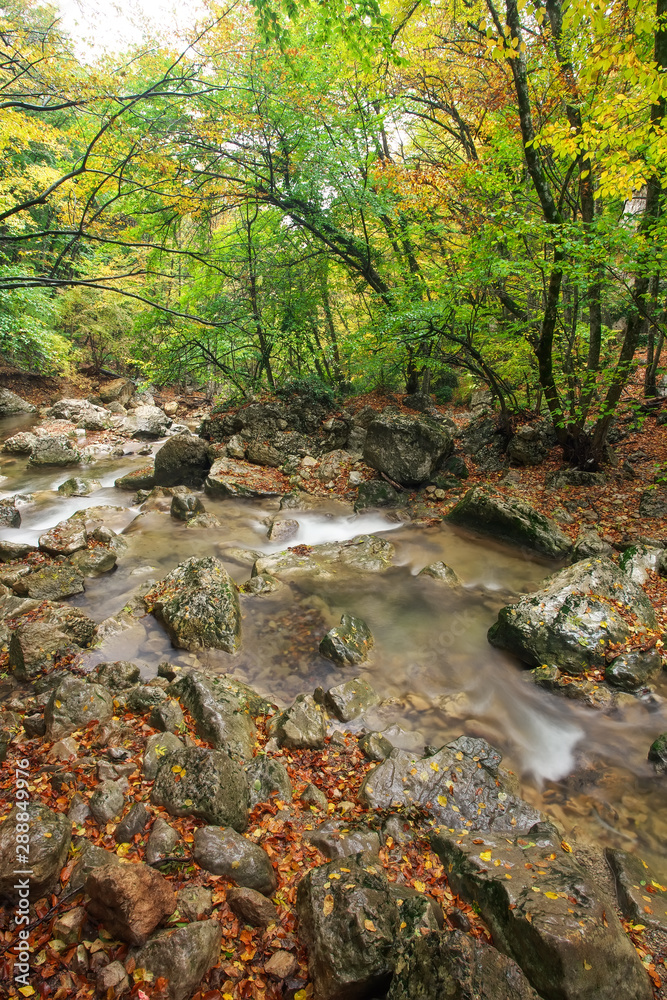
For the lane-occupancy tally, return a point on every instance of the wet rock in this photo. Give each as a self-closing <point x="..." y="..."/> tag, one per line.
<point x="10" y="516"/>
<point x="182" y="461"/>
<point x="347" y="701"/>
<point x="183" y="956"/>
<point x="443" y="965"/>
<point x="588" y="545"/>
<point x="451" y="787"/>
<point x="138" y="479"/>
<point x="9" y="551"/>
<point x="267" y="779"/>
<point x="251" y="907"/>
<point x="73" y="704"/>
<point x="185" y="506"/>
<point x="161" y="842"/>
<point x="262" y="584"/>
<point x="348" y="643"/>
<point x="301" y="726"/>
<point x="51" y="583"/>
<point x="10" y="726"/>
<point x="203" y="521"/>
<point x="146" y="422"/>
<point x="48" y="844"/>
<point x="349" y="925"/>
<point x="550" y="917"/>
<point x="106" y="802"/>
<point x="657" y="753"/>
<point x="634" y="670"/>
<point x="367" y="553"/>
<point x="639" y="560"/>
<point x="373" y="493"/>
<point x="220" y="711"/>
<point x="210" y="785"/>
<point x="198" y="605"/>
<point x="559" y="626"/>
<point x="77" y="487"/>
<point x="11" y="404"/>
<point x="442" y="572"/>
<point x="166" y="717"/>
<point x="641" y="887"/>
<point x="574" y="477"/>
<point x="653" y="502"/>
<point x="158" y="746"/>
<point x="230" y="477"/>
<point x="90" y="859"/>
<point x="79" y="810"/>
<point x="120" y="390"/>
<point x="94" y="561"/>
<point x="54" y="449"/>
<point x="315" y="797"/>
<point x="509" y="520"/>
<point x="337" y="839"/>
<point x="194" y="903"/>
<point x="375" y="746"/>
<point x="64" y="539"/>
<point x="34" y="647"/>
<point x="407" y="449"/>
<point x="20" y="444"/>
<point x="144" y="697"/>
<point x="222" y="851"/>
<point x="282" y="529"/>
<point x="130" y="900"/>
<point x="118" y="675"/>
<point x="134" y="822"/>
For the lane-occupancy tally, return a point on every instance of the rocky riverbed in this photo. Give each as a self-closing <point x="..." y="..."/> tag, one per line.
<point x="271" y="750"/>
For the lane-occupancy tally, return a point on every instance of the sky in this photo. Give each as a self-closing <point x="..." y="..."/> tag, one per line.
<point x="111" y="24"/>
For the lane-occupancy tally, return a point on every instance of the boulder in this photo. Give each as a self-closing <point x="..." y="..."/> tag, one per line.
<point x="267" y="779"/>
<point x="138" y="479"/>
<point x="134" y="822"/>
<point x="336" y="839"/>
<point x="11" y="551"/>
<point x="54" y="449"/>
<point x="90" y="859"/>
<point x="348" y="643"/>
<point x="158" y="747"/>
<point x="559" y="626"/>
<point x="511" y="521"/>
<point x="94" y="561"/>
<point x="375" y="493"/>
<point x="146" y="422"/>
<point x="301" y="726"/>
<point x="10" y="515"/>
<point x="33" y="648"/>
<point x="251" y="907"/>
<point x="640" y="560"/>
<point x="653" y="502"/>
<point x="657" y="753"/>
<point x="349" y="700"/>
<point x="221" y="713"/>
<point x="230" y="477"/>
<point x="73" y="704"/>
<point x="106" y="802"/>
<point x="573" y="477"/>
<point x="367" y="553"/>
<point x="11" y="404"/>
<point x="48" y="838"/>
<point x="223" y="851"/>
<point x="407" y="449"/>
<point x="641" y="887"/>
<point x="144" y="697"/>
<point x="588" y="544"/>
<point x="161" y="842"/>
<point x="118" y="675"/>
<point x="199" y="606"/>
<point x="78" y="487"/>
<point x="185" y="505"/>
<point x="333" y="464"/>
<point x="20" y="444"/>
<point x="443" y="573"/>
<point x="459" y="786"/>
<point x="282" y="528"/>
<point x="531" y="443"/>
<point x="634" y="670"/>
<point x="81" y="412"/>
<point x="550" y="917"/>
<point x="120" y="390"/>
<point x="194" y="903"/>
<point x="130" y="900"/>
<point x="64" y="539"/>
<point x="166" y="717"/>
<point x="182" y="956"/>
<point x="205" y="783"/>
<point x="375" y="746"/>
<point x="51" y="583"/>
<point x="183" y="460"/>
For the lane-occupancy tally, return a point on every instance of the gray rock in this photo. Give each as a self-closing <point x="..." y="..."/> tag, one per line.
<point x="106" y="802"/>
<point x="374" y="493"/>
<point x="220" y="710"/>
<point x="10" y="551"/>
<point x="262" y="584"/>
<point x="232" y="478"/>
<point x="375" y="746"/>
<point x="367" y="553"/>
<point x="79" y="810"/>
<point x="573" y="477"/>
<point x="34" y="647"/>
<point x="120" y="390"/>
<point x="222" y="851"/>
<point x="510" y="521"/>
<point x="54" y="449"/>
<point x="185" y="506"/>
<point x="182" y="461"/>
<point x="634" y="670"/>
<point x="337" y="839"/>
<point x="198" y="605"/>
<point x="64" y="539"/>
<point x="10" y="404"/>
<point x="210" y="785"/>
<point x="134" y="822"/>
<point x="77" y="487"/>
<point x="301" y="726"/>
<point x="442" y="572"/>
<point x="158" y="746"/>
<point x="282" y="528"/>
<point x="183" y="956"/>
<point x="638" y="560"/>
<point x="144" y="697"/>
<point x="146" y="422"/>
<point x="451" y="787"/>
<point x="81" y="412"/>
<point x="653" y="502"/>
<point x="89" y="859"/>
<point x="49" y="835"/>
<point x="10" y="726"/>
<point x="112" y="977"/>
<point x="161" y="842"/>
<point x="550" y="917"/>
<point x="314" y="797"/>
<point x="251" y="907"/>
<point x="73" y="704"/>
<point x="138" y="479"/>
<point x="559" y="626"/>
<point x="531" y="443"/>
<point x="267" y="778"/>
<point x="333" y="464"/>
<point x="347" y="701"/>
<point x="10" y="516"/>
<point x="166" y="717"/>
<point x="118" y="675"/>
<point x="94" y="561"/>
<point x="348" y="643"/>
<point x="635" y="875"/>
<point x="51" y="583"/>
<point x="20" y="444"/>
<point x="657" y="753"/>
<point x="589" y="545"/>
<point x="407" y="449"/>
<point x="194" y="903"/>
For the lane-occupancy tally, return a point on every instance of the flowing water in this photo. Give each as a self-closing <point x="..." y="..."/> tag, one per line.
<point x="431" y="663"/>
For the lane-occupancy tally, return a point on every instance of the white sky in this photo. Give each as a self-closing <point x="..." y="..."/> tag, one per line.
<point x="112" y="24"/>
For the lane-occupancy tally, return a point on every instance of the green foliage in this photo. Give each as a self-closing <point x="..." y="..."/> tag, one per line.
<point x="308" y="389"/>
<point x="28" y="337"/>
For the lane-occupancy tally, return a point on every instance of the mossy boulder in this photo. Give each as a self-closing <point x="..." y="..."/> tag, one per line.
<point x="407" y="449"/>
<point x="510" y="520"/>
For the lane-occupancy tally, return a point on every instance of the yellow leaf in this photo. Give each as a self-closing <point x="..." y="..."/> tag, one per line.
<point x="420" y="887"/>
<point x="369" y="925"/>
<point x="299" y="995"/>
<point x="123" y="849"/>
<point x="485" y="855"/>
<point x="176" y="769"/>
<point x="328" y="904"/>
<point x="587" y="966"/>
<point x="26" y="991"/>
<point x="434" y="766"/>
<point x="566" y="847"/>
<point x="551" y="895"/>
<point x="442" y="800"/>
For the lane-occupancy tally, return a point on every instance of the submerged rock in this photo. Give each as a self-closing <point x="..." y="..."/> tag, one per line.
<point x="407" y="449"/>
<point x="348" y="643"/>
<point x="199" y="606"/>
<point x="367" y="553"/>
<point x="509" y="520"/>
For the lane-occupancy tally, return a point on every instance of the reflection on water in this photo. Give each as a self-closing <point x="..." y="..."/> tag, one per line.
<point x="431" y="664"/>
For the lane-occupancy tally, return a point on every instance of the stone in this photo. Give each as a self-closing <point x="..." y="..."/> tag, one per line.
<point x="375" y="746"/>
<point x="138" y="479"/>
<point x="166" y="717"/>
<point x="456" y="967"/>
<point x="10" y="516"/>
<point x="566" y="937"/>
<point x="251" y="907"/>
<point x="281" y="965"/>
<point x="333" y="464"/>
<point x="407" y="449"/>
<point x="10" y="404"/>
<point x="366" y="553"/>
<point x="347" y="701"/>
<point x="134" y="822"/>
<point x="210" y="785"/>
<point x="509" y="520"/>
<point x="49" y="836"/>
<point x="51" y="583"/>
<point x="69" y="925"/>
<point x="261" y="584"/>
<point x="112" y="977"/>
<point x="588" y="545"/>
<point x="34" y="647"/>
<point x="10" y="726"/>
<point x="657" y="753"/>
<point x="314" y="797"/>
<point x="573" y="477"/>
<point x="20" y="444"/>
<point x="183" y="460"/>
<point x="301" y="726"/>
<point x="10" y="551"/>
<point x="282" y="528"/>
<point x="451" y="787"/>
<point x="161" y="842"/>
<point x="349" y="926"/>
<point x="144" y="697"/>
<point x="337" y="839"/>
<point x="90" y="859"/>
<point x="81" y="412"/>
<point x="120" y="390"/>
<point x="118" y="675"/>
<point x="73" y="704"/>
<point x="222" y="851"/>
<point x="198" y="605"/>
<point x="220" y="710"/>
<point x="185" y="506"/>
<point x="146" y="422"/>
<point x="64" y="539"/>
<point x="640" y="560"/>
<point x="66" y="749"/>
<point x="267" y="779"/>
<point x="106" y="802"/>
<point x="94" y="561"/>
<point x="348" y="643"/>
<point x="443" y="573"/>
<point x="130" y="900"/>
<point x="559" y="626"/>
<point x="634" y="670"/>
<point x="194" y="903"/>
<point x="182" y="956"/>
<point x="531" y="443"/>
<point x="230" y="477"/>
<point x="634" y="875"/>
<point x="653" y="502"/>
<point x="54" y="449"/>
<point x="158" y="746"/>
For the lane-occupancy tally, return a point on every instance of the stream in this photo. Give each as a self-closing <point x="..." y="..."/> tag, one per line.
<point x="431" y="664"/>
